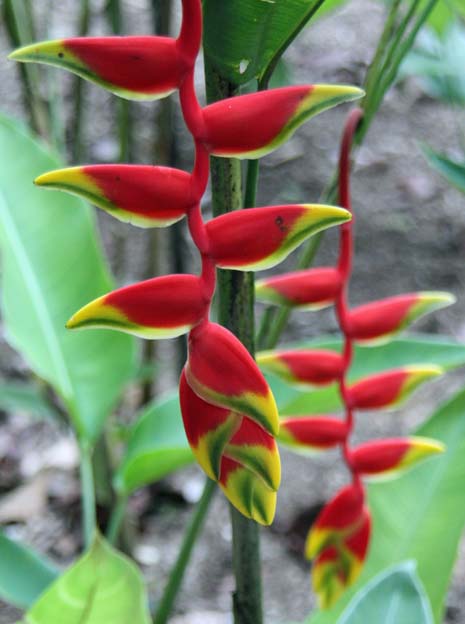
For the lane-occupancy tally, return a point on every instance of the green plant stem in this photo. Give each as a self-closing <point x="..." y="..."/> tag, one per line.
<point x="19" y="23"/>
<point x="236" y="312"/>
<point x="78" y="88"/>
<point x="89" y="521"/>
<point x="116" y="519"/>
<point x="190" y="537"/>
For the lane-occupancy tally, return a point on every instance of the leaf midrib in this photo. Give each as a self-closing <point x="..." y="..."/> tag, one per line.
<point x="37" y="296"/>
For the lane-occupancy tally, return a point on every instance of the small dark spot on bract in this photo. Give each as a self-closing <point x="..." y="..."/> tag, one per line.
<point x="60" y="55"/>
<point x="117" y="178"/>
<point x="280" y="223"/>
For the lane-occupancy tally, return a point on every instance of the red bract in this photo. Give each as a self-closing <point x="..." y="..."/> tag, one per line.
<point x="132" y="67"/>
<point x="260" y="238"/>
<point x="339" y="519"/>
<point x="252" y="125"/>
<point x="312" y="432"/>
<point x="311" y="289"/>
<point x="389" y="388"/>
<point x="379" y="320"/>
<point x="162" y="307"/>
<point x="139" y="194"/>
<point x="221" y="371"/>
<point x="305" y="366"/>
<point x="339" y="566"/>
<point x="392" y="456"/>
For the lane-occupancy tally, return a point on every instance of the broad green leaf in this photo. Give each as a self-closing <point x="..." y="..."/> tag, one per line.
<point x="444" y="13"/>
<point x="102" y="586"/>
<point x="23" y="574"/>
<point x="420" y="515"/>
<point x="52" y="265"/>
<point x="157" y="446"/>
<point x="26" y="397"/>
<point x="418" y="349"/>
<point x="243" y="38"/>
<point x="397" y="594"/>
<point x="451" y="170"/>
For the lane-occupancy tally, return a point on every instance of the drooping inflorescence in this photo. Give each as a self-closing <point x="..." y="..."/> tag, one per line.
<point x="229" y="411"/>
<point x="339" y="539"/>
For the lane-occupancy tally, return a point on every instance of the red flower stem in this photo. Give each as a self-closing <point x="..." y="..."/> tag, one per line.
<point x="346" y="250"/>
<point x="190" y="37"/>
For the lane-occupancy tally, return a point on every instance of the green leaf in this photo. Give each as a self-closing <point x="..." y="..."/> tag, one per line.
<point x="102" y="586"/>
<point x="157" y="446"/>
<point x="52" y="265"/>
<point x="23" y="574"/>
<point x="451" y="170"/>
<point x="419" y="349"/>
<point x="397" y="593"/>
<point x="26" y="397"/>
<point x="245" y="37"/>
<point x="420" y="515"/>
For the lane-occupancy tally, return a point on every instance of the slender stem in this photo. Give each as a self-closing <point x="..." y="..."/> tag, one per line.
<point x="190" y="537"/>
<point x="236" y="303"/>
<point x="89" y="521"/>
<point x="78" y="89"/>
<point x="18" y="17"/>
<point x="346" y="251"/>
<point x="116" y="519"/>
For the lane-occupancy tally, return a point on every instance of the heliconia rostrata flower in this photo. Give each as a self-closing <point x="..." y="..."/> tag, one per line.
<point x="229" y="412"/>
<point x="339" y="539"/>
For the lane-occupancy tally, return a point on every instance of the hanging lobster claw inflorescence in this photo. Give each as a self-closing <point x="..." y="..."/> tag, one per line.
<point x="229" y="411"/>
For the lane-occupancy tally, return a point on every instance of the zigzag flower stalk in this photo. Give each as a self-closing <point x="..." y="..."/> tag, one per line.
<point x="229" y="412"/>
<point x="339" y="539"/>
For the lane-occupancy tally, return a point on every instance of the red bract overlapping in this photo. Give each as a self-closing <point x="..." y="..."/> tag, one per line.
<point x="229" y="411"/>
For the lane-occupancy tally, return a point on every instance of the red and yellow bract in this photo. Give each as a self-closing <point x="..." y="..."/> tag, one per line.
<point x="314" y="367"/>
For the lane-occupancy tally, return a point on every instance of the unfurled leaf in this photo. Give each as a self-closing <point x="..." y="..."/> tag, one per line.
<point x="260" y="238"/>
<point x="390" y="388"/>
<point x="157" y="446"/>
<point x="222" y="372"/>
<point x="313" y="433"/>
<point x="452" y="170"/>
<point x="162" y="307"/>
<point x="311" y="289"/>
<point x="377" y="321"/>
<point x="102" y="586"/>
<point x="139" y="194"/>
<point x="244" y="39"/>
<point x="315" y="367"/>
<point x="270" y="117"/>
<point x="397" y="591"/>
<point x="24" y="575"/>
<point x="139" y="68"/>
<point x="52" y="263"/>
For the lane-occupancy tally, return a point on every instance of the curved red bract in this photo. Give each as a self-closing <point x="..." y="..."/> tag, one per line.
<point x="168" y="301"/>
<point x="152" y="192"/>
<point x="140" y="64"/>
<point x="250" y="122"/>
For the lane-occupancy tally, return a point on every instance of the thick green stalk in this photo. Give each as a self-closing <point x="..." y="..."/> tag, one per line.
<point x="190" y="537"/>
<point x="236" y="311"/>
<point x="89" y="521"/>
